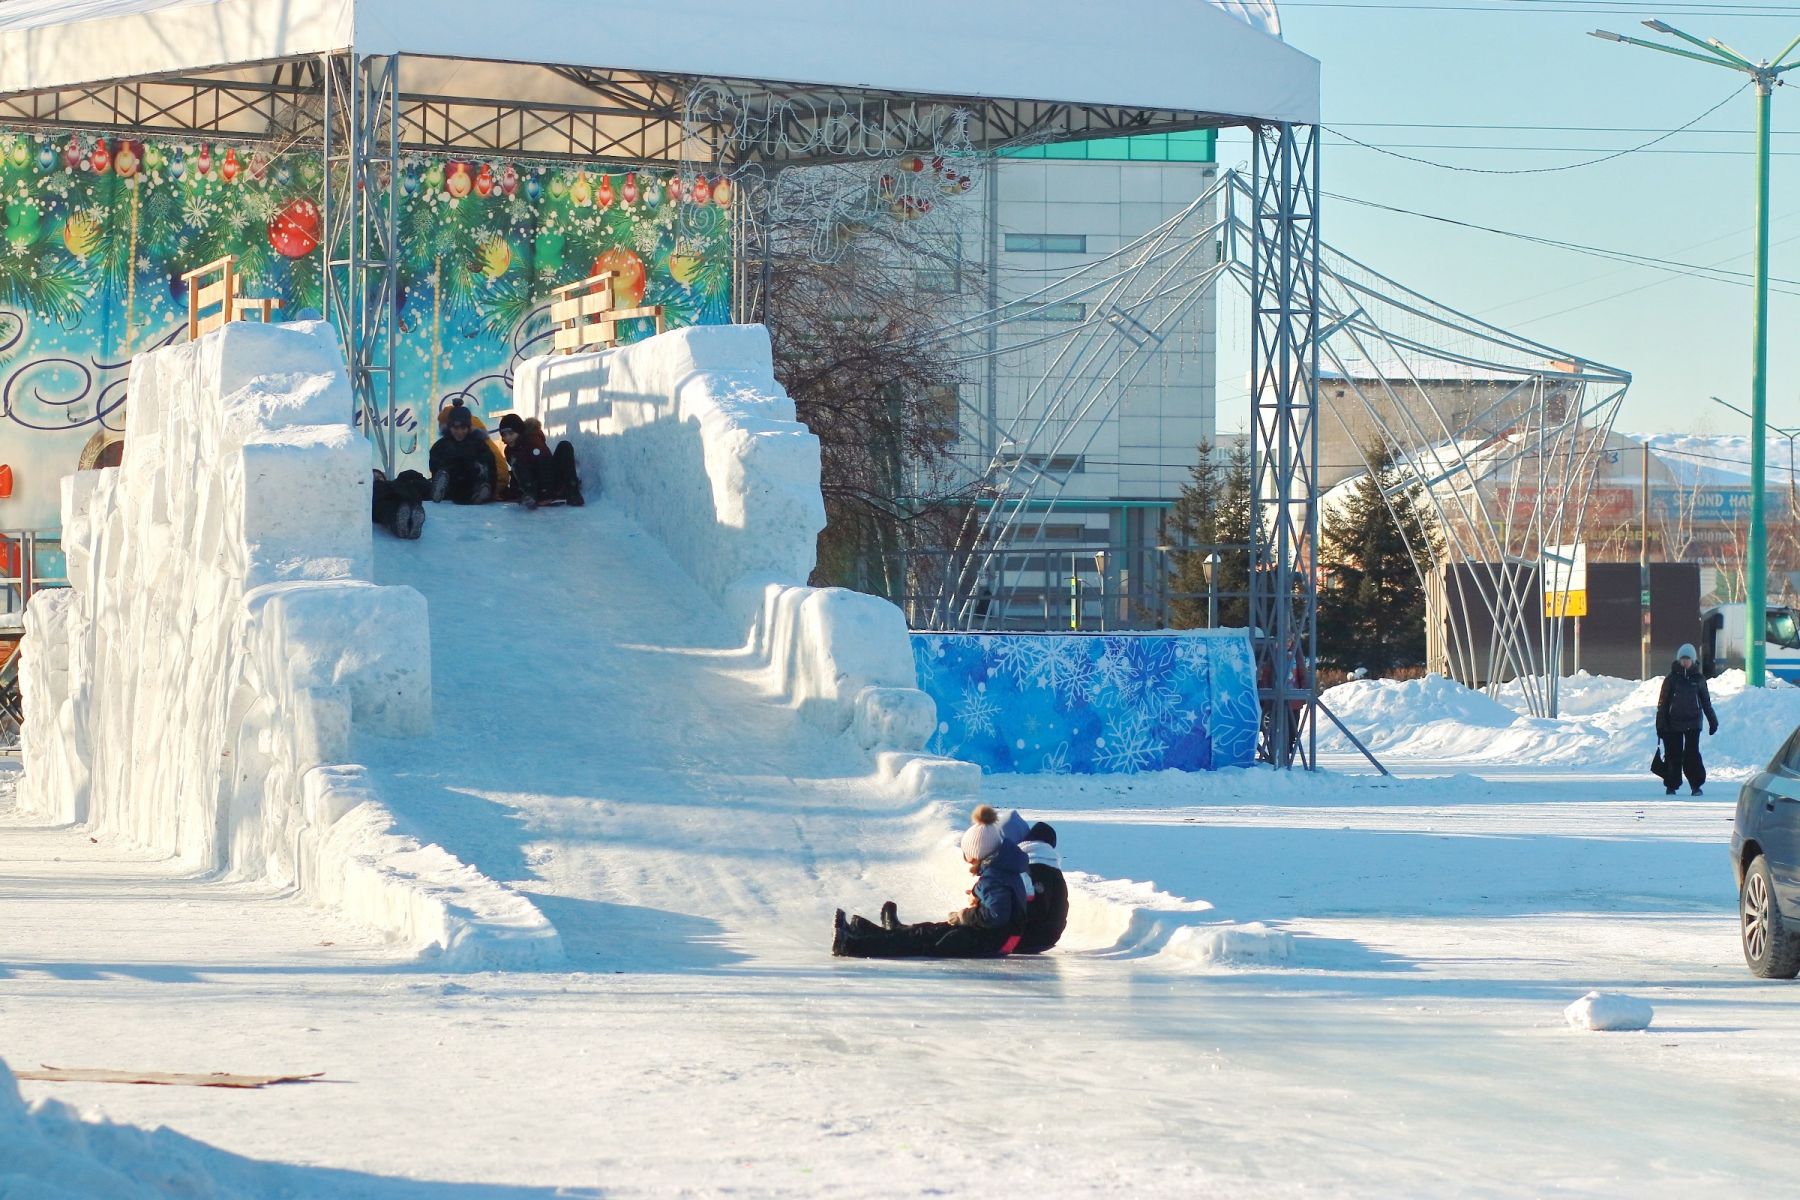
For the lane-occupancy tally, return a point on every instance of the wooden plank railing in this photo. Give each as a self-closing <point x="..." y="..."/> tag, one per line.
<point x="213" y="298"/>
<point x="586" y="314"/>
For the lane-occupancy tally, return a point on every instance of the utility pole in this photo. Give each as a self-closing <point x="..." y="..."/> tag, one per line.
<point x="1644" y="567"/>
<point x="1766" y="75"/>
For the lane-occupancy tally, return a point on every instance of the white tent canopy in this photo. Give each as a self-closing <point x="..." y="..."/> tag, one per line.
<point x="1168" y="56"/>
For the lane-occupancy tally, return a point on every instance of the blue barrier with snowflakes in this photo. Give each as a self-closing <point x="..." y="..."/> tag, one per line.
<point x="1090" y="704"/>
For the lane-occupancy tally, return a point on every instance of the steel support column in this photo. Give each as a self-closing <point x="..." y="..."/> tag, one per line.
<point x="361" y="277"/>
<point x="1284" y="438"/>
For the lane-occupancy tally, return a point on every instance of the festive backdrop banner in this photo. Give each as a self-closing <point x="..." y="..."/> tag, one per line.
<point x="1091" y="704"/>
<point x="98" y="232"/>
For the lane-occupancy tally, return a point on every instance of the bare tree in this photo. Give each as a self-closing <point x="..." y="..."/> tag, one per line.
<point x="857" y="345"/>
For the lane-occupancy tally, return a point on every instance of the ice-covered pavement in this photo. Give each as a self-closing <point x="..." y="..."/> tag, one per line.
<point x="1417" y="1048"/>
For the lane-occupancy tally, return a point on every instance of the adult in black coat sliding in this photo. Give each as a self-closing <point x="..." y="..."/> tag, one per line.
<point x="1047" y="914"/>
<point x="1679" y="710"/>
<point x="462" y="466"/>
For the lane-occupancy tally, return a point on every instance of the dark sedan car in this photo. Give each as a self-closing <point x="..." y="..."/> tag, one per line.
<point x="1765" y="852"/>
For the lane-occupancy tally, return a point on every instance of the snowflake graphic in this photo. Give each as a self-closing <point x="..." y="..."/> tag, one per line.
<point x="1128" y="746"/>
<point x="976" y="711"/>
<point x="1194" y="656"/>
<point x="1236" y="721"/>
<point x="1011" y="656"/>
<point x="1112" y="672"/>
<point x="1060" y="665"/>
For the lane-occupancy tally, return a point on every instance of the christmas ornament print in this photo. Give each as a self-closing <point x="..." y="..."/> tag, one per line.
<point x="81" y="234"/>
<point x="294" y="230"/>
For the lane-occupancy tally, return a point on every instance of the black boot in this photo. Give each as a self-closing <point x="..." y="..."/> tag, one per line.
<point x="440" y="486"/>
<point x="840" y="934"/>
<point x="862" y="926"/>
<point x="409" y="520"/>
<point x="890" y="916"/>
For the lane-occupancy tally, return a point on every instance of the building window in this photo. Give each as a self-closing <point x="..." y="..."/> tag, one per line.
<point x="1047" y="243"/>
<point x="941" y="280"/>
<point x="1054" y="464"/>
<point x="1068" y="310"/>
<point x="943" y="415"/>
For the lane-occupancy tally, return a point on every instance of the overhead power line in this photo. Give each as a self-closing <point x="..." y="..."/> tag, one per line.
<point x="1663" y="137"/>
<point x="1557" y="128"/>
<point x="1560" y="150"/>
<point x="1698" y="270"/>
<point x="1563" y="7"/>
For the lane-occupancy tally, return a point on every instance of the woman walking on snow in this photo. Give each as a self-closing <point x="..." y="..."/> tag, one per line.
<point x="1679" y="710"/>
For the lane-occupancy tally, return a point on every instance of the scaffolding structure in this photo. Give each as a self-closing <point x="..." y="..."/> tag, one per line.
<point x="1503" y="481"/>
<point x="362" y="112"/>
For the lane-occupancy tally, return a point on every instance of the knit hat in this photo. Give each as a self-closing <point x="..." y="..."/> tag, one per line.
<point x="1041" y="832"/>
<point x="982" y="838"/>
<point x="513" y="422"/>
<point x="456" y="415"/>
<point x="1686" y="651"/>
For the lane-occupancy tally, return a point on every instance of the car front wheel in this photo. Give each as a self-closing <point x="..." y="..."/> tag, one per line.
<point x="1771" y="945"/>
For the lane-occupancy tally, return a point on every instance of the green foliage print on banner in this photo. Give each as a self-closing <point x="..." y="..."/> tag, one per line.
<point x="483" y="244"/>
<point x="96" y="232"/>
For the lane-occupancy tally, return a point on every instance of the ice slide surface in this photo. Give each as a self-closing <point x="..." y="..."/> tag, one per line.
<point x="605" y="742"/>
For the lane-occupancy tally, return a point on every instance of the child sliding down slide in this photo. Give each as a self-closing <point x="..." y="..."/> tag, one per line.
<point x="988" y="928"/>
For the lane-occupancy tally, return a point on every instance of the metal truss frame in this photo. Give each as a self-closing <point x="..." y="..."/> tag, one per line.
<point x="354" y="108"/>
<point x="1284" y="435"/>
<point x="361" y="244"/>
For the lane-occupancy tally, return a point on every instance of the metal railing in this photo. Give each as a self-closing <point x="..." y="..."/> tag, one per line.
<point x="30" y="561"/>
<point x="1086" y="587"/>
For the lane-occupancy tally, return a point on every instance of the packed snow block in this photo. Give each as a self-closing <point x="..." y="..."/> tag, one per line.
<point x="371" y="642"/>
<point x="890" y="716"/>
<point x="52" y="739"/>
<point x="1609" y="1012"/>
<point x="328" y="536"/>
<point x="841" y="658"/>
<point x="194" y="691"/>
<point x="928" y="777"/>
<point x="692" y="436"/>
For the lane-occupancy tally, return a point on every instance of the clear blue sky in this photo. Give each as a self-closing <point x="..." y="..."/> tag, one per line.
<point x="1525" y="66"/>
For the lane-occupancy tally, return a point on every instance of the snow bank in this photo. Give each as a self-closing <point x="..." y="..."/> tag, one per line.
<point x="691" y="434"/>
<point x="1609" y="725"/>
<point x="51" y="1151"/>
<point x="1122" y="918"/>
<point x="194" y="689"/>
<point x="1609" y="1012"/>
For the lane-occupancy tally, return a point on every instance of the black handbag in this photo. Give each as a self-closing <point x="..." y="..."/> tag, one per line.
<point x="1657" y="766"/>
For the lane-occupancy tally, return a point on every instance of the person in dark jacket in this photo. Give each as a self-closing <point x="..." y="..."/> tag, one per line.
<point x="462" y="467"/>
<point x="539" y="474"/>
<point x="1047" y="915"/>
<point x="1014" y="830"/>
<point x="1679" y="710"/>
<point x="988" y="928"/>
<point x="394" y="504"/>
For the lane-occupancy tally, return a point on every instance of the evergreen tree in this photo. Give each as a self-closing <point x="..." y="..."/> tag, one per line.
<point x="1213" y="516"/>
<point x="1372" y="601"/>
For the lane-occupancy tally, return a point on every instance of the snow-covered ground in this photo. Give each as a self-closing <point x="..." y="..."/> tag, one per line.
<point x="1605" y="724"/>
<point x="1276" y="985"/>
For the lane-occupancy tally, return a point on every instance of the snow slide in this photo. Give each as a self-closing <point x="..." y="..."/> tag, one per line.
<point x="648" y="722"/>
<point x="196" y="689"/>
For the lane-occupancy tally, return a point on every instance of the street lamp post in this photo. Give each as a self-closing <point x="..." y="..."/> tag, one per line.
<point x="1766" y="75"/>
<point x="1211" y="565"/>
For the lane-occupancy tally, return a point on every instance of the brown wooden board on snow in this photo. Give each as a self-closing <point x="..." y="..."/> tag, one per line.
<point x="223" y="1079"/>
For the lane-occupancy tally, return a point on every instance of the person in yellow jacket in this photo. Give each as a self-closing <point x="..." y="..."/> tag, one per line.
<point x="502" y="473"/>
